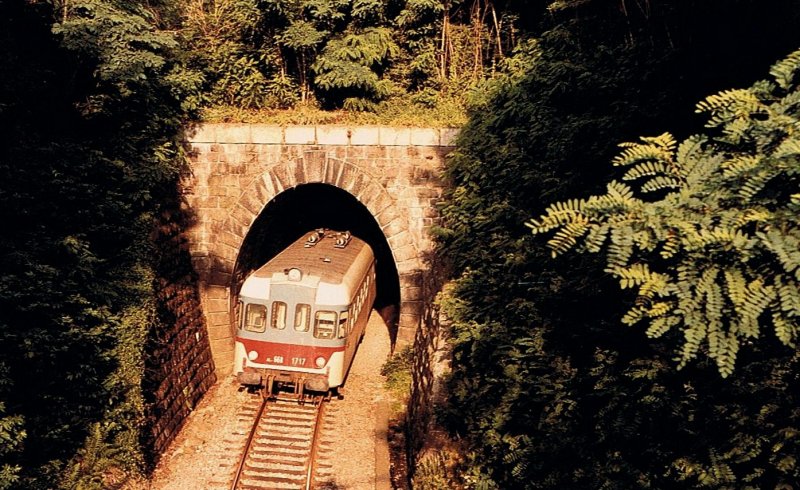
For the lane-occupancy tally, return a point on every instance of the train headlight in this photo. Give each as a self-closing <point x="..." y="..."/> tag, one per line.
<point x="320" y="362"/>
<point x="294" y="274"/>
<point x="252" y="355"/>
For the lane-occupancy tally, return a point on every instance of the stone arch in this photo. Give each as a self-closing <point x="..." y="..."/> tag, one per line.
<point x="313" y="167"/>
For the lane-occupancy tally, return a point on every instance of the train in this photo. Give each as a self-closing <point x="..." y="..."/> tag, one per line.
<point x="301" y="316"/>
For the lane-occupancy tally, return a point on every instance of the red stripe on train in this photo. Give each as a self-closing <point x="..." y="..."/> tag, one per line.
<point x="287" y="354"/>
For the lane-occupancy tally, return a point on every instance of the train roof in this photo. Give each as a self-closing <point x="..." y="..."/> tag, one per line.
<point x="320" y="256"/>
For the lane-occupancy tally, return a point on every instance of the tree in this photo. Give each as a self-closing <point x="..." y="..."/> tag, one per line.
<point x="546" y="390"/>
<point x="348" y="71"/>
<point x="716" y="253"/>
<point x="93" y="123"/>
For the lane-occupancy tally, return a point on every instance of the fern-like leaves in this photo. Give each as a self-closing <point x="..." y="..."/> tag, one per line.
<point x="725" y="233"/>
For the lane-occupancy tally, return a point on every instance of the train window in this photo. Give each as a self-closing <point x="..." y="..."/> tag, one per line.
<point x="325" y="325"/>
<point x="278" y="315"/>
<point x="343" y="325"/>
<point x="301" y="314"/>
<point x="255" y="318"/>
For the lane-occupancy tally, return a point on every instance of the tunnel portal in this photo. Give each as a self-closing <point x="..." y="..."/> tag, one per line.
<point x="306" y="207"/>
<point x="253" y="189"/>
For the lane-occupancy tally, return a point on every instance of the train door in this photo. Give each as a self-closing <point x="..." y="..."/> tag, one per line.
<point x="290" y="319"/>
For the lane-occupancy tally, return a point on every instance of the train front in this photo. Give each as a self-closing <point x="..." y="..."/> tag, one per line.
<point x="293" y="319"/>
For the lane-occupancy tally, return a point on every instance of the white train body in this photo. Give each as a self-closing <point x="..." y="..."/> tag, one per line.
<point x="301" y="316"/>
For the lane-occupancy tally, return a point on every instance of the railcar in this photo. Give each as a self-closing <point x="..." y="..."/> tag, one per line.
<point x="301" y="316"/>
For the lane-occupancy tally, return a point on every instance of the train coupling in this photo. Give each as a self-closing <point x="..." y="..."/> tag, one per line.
<point x="249" y="378"/>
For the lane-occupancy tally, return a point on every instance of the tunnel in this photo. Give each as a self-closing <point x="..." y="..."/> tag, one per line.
<point x="306" y="207"/>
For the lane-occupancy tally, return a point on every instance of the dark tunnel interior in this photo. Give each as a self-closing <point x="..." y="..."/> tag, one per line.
<point x="307" y="207"/>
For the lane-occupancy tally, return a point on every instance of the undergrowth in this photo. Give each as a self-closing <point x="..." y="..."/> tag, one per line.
<point x="397" y="112"/>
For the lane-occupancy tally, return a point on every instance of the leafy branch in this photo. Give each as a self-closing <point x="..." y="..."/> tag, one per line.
<point x="715" y="253"/>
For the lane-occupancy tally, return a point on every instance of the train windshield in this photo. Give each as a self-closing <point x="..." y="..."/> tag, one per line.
<point x="279" y="315"/>
<point x="325" y="324"/>
<point x="301" y="316"/>
<point x="255" y="319"/>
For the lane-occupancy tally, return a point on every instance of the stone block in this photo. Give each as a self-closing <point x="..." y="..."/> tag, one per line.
<point x="411" y="307"/>
<point x="394" y="227"/>
<point x="229" y="238"/>
<point x="349" y="178"/>
<point x="215" y="291"/>
<point x="408" y="320"/>
<point x="265" y="182"/>
<point x="264" y="134"/>
<point x="333" y="171"/>
<point x="414" y="213"/>
<point x="217" y="305"/>
<point x="218" y="325"/>
<point x="405" y="252"/>
<point x="395" y="136"/>
<point x="314" y="166"/>
<point x="340" y="152"/>
<point x="368" y="192"/>
<point x="218" y="276"/>
<point x="424" y="137"/>
<point x="386" y="217"/>
<point x="300" y="135"/>
<point x="242" y="216"/>
<point x="222" y="351"/>
<point x="405" y="335"/>
<point x="411" y="294"/>
<point x="411" y="279"/>
<point x="364" y="136"/>
<point x="204" y="133"/>
<point x="380" y="202"/>
<point x="333" y="135"/>
<point x="275" y="182"/>
<point x="252" y="202"/>
<point x="230" y="179"/>
<point x="285" y="177"/>
<point x="400" y="239"/>
<point x="448" y="136"/>
<point x="224" y="203"/>
<point x="233" y="133"/>
<point x="258" y="189"/>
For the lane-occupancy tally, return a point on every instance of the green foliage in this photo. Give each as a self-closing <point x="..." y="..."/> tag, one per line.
<point x="341" y="54"/>
<point x="434" y="473"/>
<point x="300" y="36"/>
<point x="716" y="256"/>
<point x="12" y="435"/>
<point x="242" y="82"/>
<point x="546" y="389"/>
<point x="351" y="67"/>
<point x="368" y="12"/>
<point x="93" y="122"/>
<point x="229" y="45"/>
<point x="397" y="370"/>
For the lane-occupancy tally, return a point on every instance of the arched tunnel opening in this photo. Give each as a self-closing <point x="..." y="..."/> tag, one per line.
<point x="310" y="206"/>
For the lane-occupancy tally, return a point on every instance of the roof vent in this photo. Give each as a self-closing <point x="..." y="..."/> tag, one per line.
<point x="342" y="239"/>
<point x="315" y="237"/>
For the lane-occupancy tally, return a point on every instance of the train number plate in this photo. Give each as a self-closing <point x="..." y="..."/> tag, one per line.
<point x="298" y="361"/>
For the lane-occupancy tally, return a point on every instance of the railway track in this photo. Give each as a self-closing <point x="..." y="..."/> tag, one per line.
<point x="281" y="449"/>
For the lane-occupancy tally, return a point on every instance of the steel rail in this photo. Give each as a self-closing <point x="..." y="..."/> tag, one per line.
<point x="314" y="442"/>
<point x="249" y="443"/>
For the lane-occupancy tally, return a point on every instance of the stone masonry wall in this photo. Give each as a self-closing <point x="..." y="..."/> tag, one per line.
<point x="238" y="168"/>
<point x="179" y="368"/>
